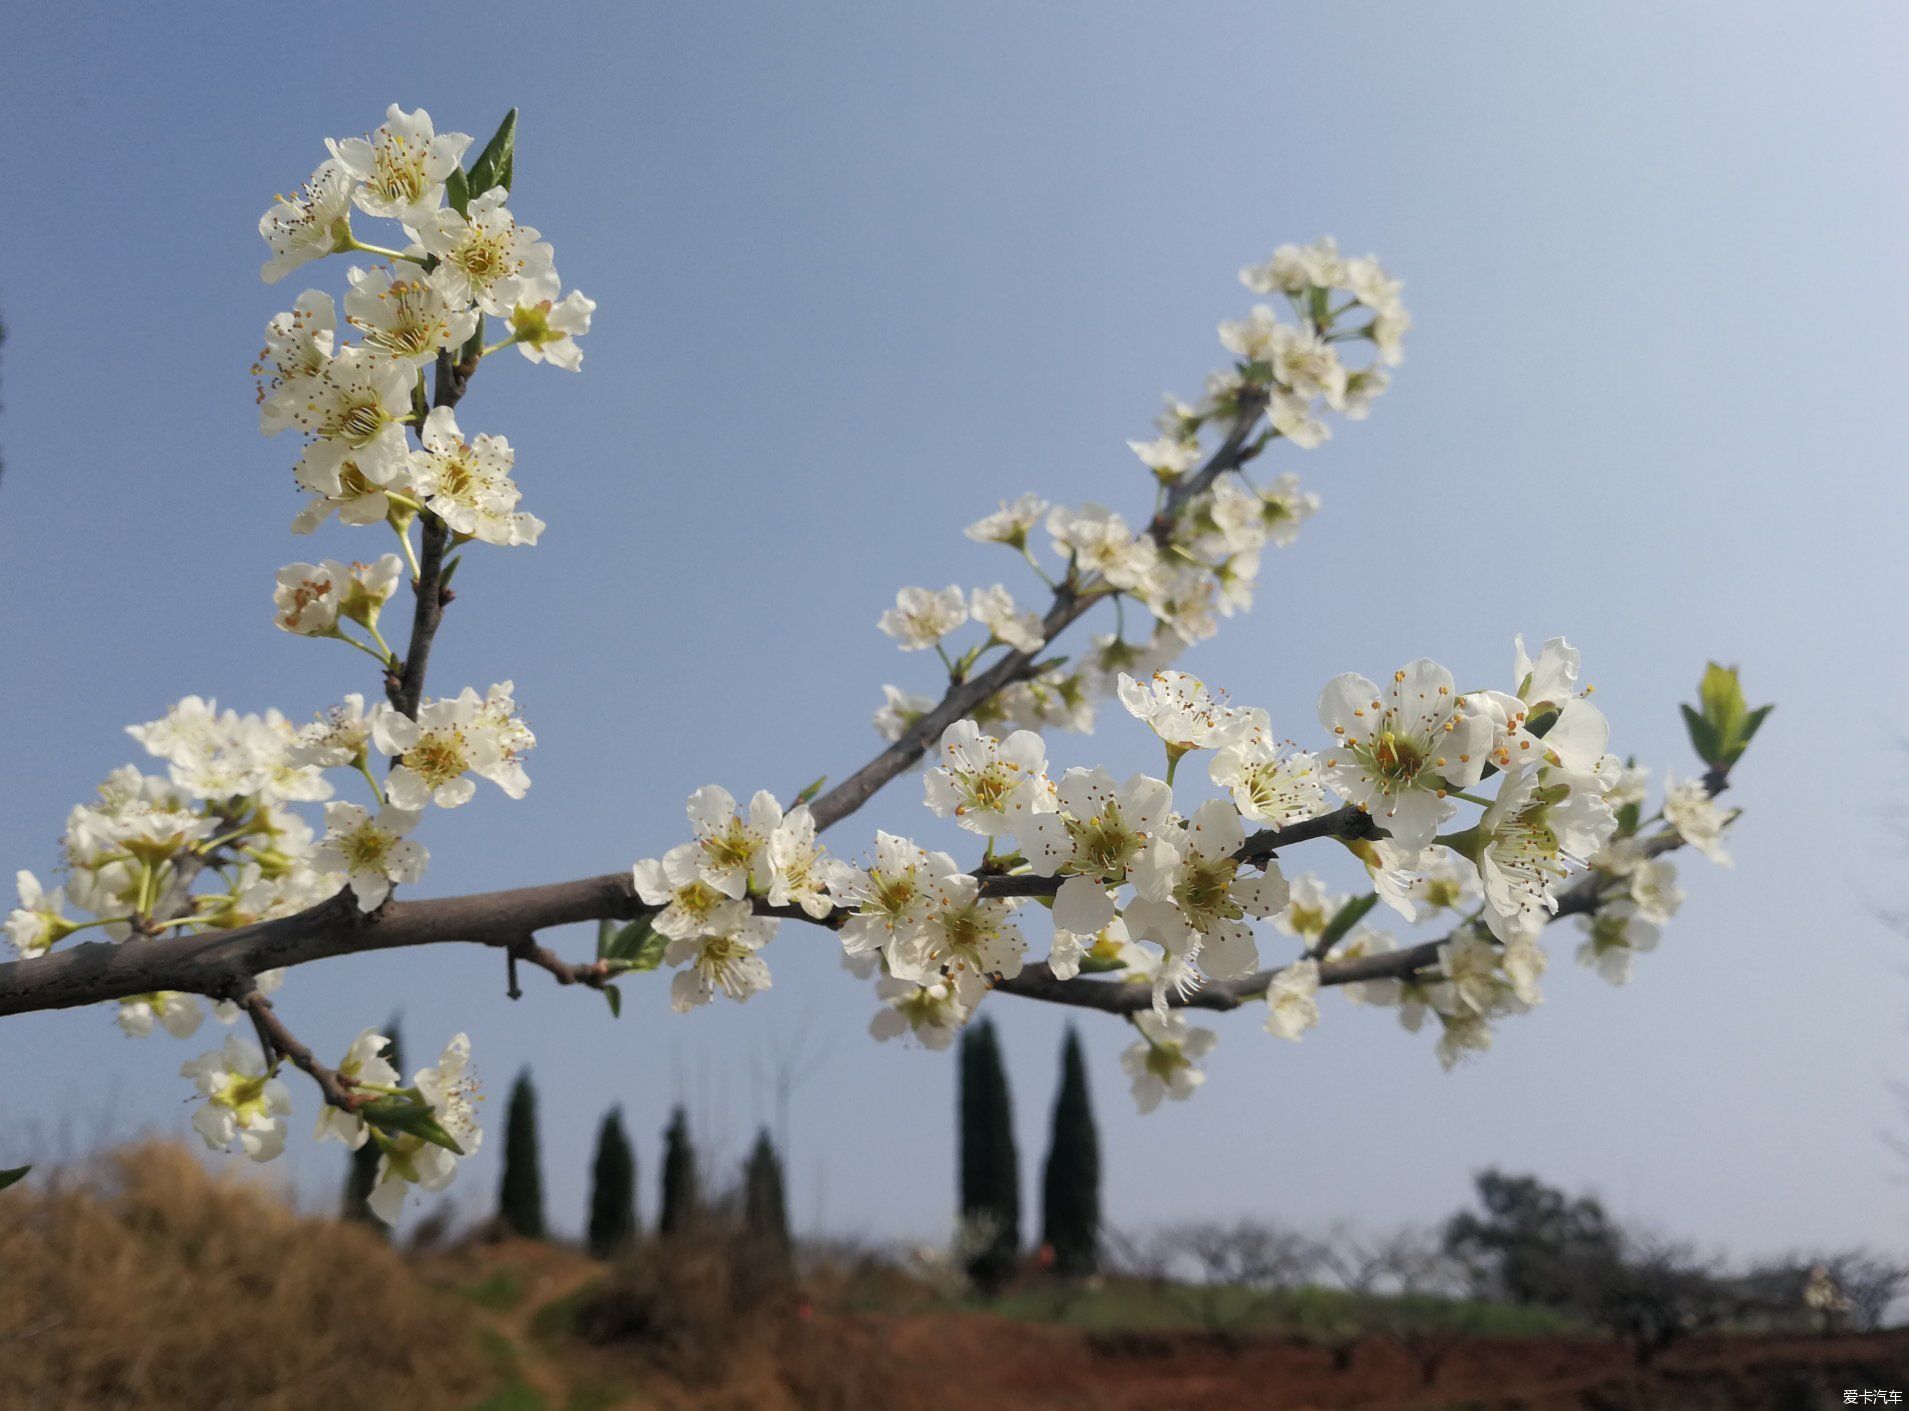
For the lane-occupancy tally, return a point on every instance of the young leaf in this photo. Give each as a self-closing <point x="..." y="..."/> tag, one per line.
<point x="1703" y="736"/>
<point x="638" y="946"/>
<point x="1751" y="724"/>
<point x="810" y="790"/>
<point x="1722" y="697"/>
<point x="13" y="1175"/>
<point x="493" y="165"/>
<point x="1343" y="920"/>
<point x="457" y="191"/>
<point x="615" y="998"/>
<point x="416" y="1119"/>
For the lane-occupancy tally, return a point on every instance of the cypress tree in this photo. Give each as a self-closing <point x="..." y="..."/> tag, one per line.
<point x="679" y="1176"/>
<point x="1070" y="1204"/>
<point x="990" y="1170"/>
<point x="520" y="1198"/>
<point x="612" y="1190"/>
<point x="765" y="1208"/>
<point x="362" y="1174"/>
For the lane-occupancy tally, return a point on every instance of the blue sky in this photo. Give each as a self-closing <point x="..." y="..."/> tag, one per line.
<point x="862" y="271"/>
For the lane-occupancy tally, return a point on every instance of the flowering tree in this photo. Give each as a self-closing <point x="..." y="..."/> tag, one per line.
<point x="211" y="879"/>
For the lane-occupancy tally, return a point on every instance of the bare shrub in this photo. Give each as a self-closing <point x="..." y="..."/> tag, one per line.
<point x="144" y="1283"/>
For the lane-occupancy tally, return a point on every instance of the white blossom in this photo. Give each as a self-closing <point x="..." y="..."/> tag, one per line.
<point x="309" y="225"/>
<point x="545" y="328"/>
<point x="1292" y="1004"/>
<point x="1689" y="809"/>
<point x="449" y="740"/>
<point x="468" y="484"/>
<point x="932" y="1013"/>
<point x="966" y="938"/>
<point x="1168" y="457"/>
<point x="1165" y="1063"/>
<point x="675" y="883"/>
<point x="355" y="412"/>
<point x="364" y="1063"/>
<point x="890" y="899"/>
<point x="721" y="957"/>
<point x="402" y="313"/>
<point x="299" y="345"/>
<point x="1009" y="524"/>
<point x="1526" y="842"/>
<point x="178" y="1014"/>
<point x="1193" y="891"/>
<point x="306" y="597"/>
<point x="337" y="737"/>
<point x="994" y="608"/>
<point x="1614" y="933"/>
<point x="899" y="710"/>
<point x="1182" y="712"/>
<point x="449" y="1089"/>
<point x="986" y="785"/>
<point x="1397" y="752"/>
<point x="38" y="923"/>
<point x="1098" y="541"/>
<point x="1098" y="834"/>
<point x="1269" y="784"/>
<point x="484" y="256"/>
<point x="242" y="1100"/>
<point x="733" y="848"/>
<point x="922" y="617"/>
<point x="402" y="167"/>
<point x="373" y="853"/>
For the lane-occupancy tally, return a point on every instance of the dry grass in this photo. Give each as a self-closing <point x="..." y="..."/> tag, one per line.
<point x="143" y="1283"/>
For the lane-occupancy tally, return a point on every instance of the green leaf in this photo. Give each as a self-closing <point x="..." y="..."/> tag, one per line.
<point x="1722" y="697"/>
<point x="615" y="998"/>
<point x="13" y="1176"/>
<point x="1091" y="964"/>
<point x="420" y="401"/>
<point x="493" y="165"/>
<point x="409" y="1118"/>
<point x="457" y="191"/>
<point x="1343" y="920"/>
<point x="1703" y="736"/>
<point x="810" y="791"/>
<point x="1752" y="723"/>
<point x="637" y="946"/>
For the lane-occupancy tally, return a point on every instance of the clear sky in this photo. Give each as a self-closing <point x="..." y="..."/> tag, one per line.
<point x="865" y="269"/>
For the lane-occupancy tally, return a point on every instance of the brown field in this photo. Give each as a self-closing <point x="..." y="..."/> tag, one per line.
<point x="151" y="1286"/>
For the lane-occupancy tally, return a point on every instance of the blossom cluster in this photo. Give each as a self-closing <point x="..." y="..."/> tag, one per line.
<point x="1163" y="893"/>
<point x="1153" y="894"/>
<point x="218" y="841"/>
<point x="1198" y="560"/>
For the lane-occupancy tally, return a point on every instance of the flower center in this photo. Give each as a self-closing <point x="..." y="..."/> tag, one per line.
<point x="357" y="423"/>
<point x="437" y="759"/>
<point x="1204" y="891"/>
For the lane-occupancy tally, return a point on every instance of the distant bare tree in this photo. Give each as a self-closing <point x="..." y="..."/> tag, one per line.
<point x="1224" y="1276"/>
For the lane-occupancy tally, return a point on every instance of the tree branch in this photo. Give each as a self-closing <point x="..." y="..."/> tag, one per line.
<point x="222" y="963"/>
<point x="1071" y="600"/>
<point x="1036" y="981"/>
<point x="406" y="688"/>
<point x="278" y="1042"/>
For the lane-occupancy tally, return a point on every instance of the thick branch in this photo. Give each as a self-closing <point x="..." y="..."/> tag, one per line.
<point x="223" y="962"/>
